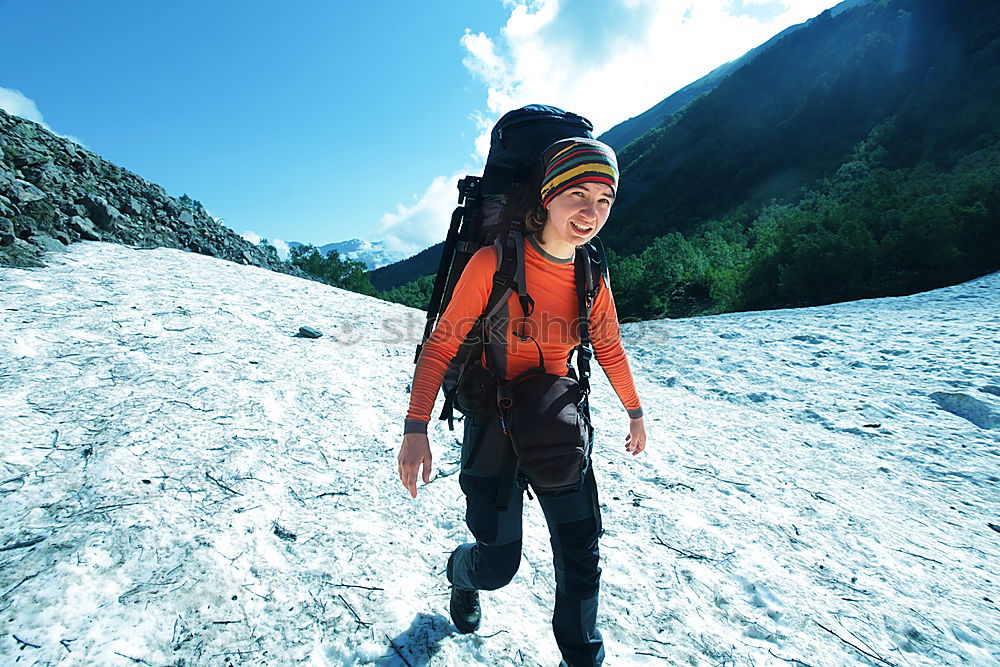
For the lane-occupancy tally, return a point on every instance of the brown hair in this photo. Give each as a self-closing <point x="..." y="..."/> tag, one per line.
<point x="534" y="220"/>
<point x="528" y="206"/>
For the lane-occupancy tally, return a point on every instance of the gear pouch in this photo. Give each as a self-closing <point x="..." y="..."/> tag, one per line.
<point x="476" y="390"/>
<point x="550" y="431"/>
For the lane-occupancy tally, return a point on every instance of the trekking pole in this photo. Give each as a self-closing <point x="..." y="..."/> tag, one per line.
<point x="468" y="188"/>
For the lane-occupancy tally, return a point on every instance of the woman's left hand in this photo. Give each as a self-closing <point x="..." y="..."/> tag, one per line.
<point x="635" y="441"/>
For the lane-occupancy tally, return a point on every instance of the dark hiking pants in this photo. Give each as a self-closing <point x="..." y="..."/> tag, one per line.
<point x="492" y="560"/>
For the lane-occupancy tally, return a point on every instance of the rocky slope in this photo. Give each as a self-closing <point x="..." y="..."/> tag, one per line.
<point x="54" y="192"/>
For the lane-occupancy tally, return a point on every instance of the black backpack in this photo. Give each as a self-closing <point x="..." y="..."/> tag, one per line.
<point x="485" y="216"/>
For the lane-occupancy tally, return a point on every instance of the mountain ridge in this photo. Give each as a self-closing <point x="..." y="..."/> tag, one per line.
<point x="631" y="129"/>
<point x="54" y="192"/>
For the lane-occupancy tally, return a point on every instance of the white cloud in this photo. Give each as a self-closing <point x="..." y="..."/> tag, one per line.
<point x="607" y="60"/>
<point x="412" y="228"/>
<point x="252" y="237"/>
<point x="283" y="250"/>
<point x="613" y="60"/>
<point x="279" y="245"/>
<point x="18" y="104"/>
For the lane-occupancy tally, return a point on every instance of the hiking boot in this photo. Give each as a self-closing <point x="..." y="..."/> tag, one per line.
<point x="465" y="613"/>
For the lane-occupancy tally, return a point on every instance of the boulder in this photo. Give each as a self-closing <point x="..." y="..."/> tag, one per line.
<point x="24" y="226"/>
<point x="134" y="206"/>
<point x="25" y="130"/>
<point x="85" y="228"/>
<point x="309" y="332"/>
<point x="21" y="254"/>
<point x="28" y="159"/>
<point x="64" y="235"/>
<point x="6" y="232"/>
<point x="23" y="191"/>
<point x="45" y="175"/>
<point x="44" y="213"/>
<point x="47" y="243"/>
<point x="6" y="207"/>
<point x="104" y="215"/>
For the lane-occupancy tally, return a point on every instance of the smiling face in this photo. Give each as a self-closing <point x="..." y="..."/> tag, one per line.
<point x="575" y="217"/>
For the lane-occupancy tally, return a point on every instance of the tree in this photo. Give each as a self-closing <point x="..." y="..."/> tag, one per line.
<point x="344" y="273"/>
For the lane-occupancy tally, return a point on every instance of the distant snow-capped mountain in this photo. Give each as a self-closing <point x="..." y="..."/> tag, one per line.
<point x="373" y="253"/>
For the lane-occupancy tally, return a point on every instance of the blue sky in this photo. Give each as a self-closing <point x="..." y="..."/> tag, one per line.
<point x="323" y="121"/>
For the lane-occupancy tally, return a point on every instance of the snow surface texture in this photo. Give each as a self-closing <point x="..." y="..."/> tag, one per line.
<point x="184" y="481"/>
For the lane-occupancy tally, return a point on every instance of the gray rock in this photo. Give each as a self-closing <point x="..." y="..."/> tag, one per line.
<point x="104" y="215"/>
<point x="29" y="159"/>
<point x="47" y="243"/>
<point x="46" y="175"/>
<point x="85" y="228"/>
<point x="6" y="207"/>
<point x="208" y="248"/>
<point x="21" y="254"/>
<point x="23" y="191"/>
<point x="24" y="226"/>
<point x="44" y="213"/>
<point x="6" y="232"/>
<point x="309" y="332"/>
<point x="135" y="206"/>
<point x="26" y="130"/>
<point x="187" y="218"/>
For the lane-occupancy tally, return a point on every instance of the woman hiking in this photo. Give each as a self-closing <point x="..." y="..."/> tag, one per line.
<point x="579" y="180"/>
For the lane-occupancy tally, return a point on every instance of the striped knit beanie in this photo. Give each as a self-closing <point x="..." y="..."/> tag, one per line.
<point x="569" y="162"/>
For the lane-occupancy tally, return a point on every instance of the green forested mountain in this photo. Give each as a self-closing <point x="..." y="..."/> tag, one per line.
<point x="857" y="156"/>
<point x="399" y="273"/>
<point x="628" y="131"/>
<point x="795" y="113"/>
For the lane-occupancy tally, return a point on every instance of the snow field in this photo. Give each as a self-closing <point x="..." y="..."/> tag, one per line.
<point x="185" y="481"/>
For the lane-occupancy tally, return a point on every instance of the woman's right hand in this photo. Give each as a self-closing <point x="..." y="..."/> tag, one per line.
<point x="416" y="450"/>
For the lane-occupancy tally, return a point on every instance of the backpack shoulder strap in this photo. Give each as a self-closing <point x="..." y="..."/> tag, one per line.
<point x="503" y="277"/>
<point x="600" y="263"/>
<point x="503" y="280"/>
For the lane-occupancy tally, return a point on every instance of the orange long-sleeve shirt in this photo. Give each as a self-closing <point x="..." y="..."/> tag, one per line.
<point x="551" y="282"/>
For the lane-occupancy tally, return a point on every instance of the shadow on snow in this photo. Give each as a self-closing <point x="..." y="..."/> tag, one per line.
<point x="416" y="645"/>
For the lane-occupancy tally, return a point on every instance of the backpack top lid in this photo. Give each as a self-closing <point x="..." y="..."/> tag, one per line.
<point x="518" y="140"/>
